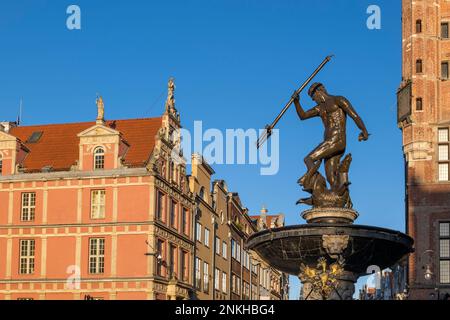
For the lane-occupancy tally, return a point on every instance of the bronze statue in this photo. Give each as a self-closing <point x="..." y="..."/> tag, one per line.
<point x="333" y="111"/>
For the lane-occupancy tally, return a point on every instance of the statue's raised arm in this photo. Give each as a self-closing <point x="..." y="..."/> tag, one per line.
<point x="348" y="108"/>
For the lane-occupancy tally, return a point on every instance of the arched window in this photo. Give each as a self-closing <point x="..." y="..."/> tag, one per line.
<point x="1" y="164"/>
<point x="201" y="194"/>
<point x="418" y="26"/>
<point x="99" y="158"/>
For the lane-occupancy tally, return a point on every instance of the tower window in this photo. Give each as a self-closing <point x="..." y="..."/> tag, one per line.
<point x="444" y="70"/>
<point x="443" y="154"/>
<point x="99" y="159"/>
<point x="419" y="66"/>
<point x="444" y="252"/>
<point x="444" y="30"/>
<point x="419" y="104"/>
<point x="418" y="26"/>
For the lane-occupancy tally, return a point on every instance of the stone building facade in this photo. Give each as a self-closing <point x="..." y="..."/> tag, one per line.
<point x="106" y="210"/>
<point x="424" y="118"/>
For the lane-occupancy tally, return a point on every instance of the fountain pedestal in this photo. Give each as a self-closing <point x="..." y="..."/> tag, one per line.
<point x="344" y="289"/>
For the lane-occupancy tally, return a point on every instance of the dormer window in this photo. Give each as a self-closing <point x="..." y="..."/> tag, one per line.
<point x="99" y="158"/>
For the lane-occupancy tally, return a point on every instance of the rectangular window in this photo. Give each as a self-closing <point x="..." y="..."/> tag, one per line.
<point x="255" y="268"/>
<point x="444" y="70"/>
<point x="443" y="152"/>
<point x="160" y="205"/>
<point x="28" y="206"/>
<point x="27" y="250"/>
<point x="419" y="104"/>
<point x="224" y="282"/>
<point x="443" y="171"/>
<point x="445" y="248"/>
<point x="238" y="285"/>
<point x="246" y="290"/>
<point x="206" y="240"/>
<point x="444" y="252"/>
<point x="444" y="30"/>
<point x="238" y="252"/>
<point x="184" y="266"/>
<point x="224" y="250"/>
<point x="185" y="221"/>
<point x="217" y="279"/>
<point x="445" y="271"/>
<point x="172" y="261"/>
<point x="419" y="66"/>
<point x="160" y="251"/>
<point x="173" y="214"/>
<point x="217" y="245"/>
<point x="443" y="135"/>
<point x="418" y="26"/>
<point x="96" y="255"/>
<point x="198" y="275"/>
<point x="205" y="277"/>
<point x="97" y="204"/>
<point x="233" y="248"/>
<point x="444" y="230"/>
<point x="198" y="235"/>
<point x="255" y="293"/>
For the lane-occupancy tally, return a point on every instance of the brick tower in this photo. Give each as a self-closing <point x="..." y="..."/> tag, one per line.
<point x="424" y="118"/>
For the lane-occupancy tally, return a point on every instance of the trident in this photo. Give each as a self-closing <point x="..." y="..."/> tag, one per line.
<point x="268" y="130"/>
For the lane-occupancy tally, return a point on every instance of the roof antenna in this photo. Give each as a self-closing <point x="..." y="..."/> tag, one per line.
<point x="19" y="116"/>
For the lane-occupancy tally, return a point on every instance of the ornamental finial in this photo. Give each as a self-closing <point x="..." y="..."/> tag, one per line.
<point x="100" y="110"/>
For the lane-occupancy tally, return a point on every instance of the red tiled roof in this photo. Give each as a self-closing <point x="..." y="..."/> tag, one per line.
<point x="58" y="145"/>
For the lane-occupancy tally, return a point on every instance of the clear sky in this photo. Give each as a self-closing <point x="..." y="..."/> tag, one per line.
<point x="236" y="63"/>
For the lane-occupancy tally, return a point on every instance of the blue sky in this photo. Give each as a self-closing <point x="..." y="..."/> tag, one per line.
<point x="236" y="63"/>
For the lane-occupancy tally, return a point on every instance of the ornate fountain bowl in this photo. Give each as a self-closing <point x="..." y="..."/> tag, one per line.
<point x="288" y="248"/>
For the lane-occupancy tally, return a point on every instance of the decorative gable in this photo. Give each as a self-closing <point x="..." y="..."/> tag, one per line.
<point x="97" y="143"/>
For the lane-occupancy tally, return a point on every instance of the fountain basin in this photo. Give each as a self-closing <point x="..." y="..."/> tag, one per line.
<point x="287" y="248"/>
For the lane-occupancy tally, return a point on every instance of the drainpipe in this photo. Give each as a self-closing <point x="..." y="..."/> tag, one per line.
<point x="213" y="271"/>
<point x="194" y="228"/>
